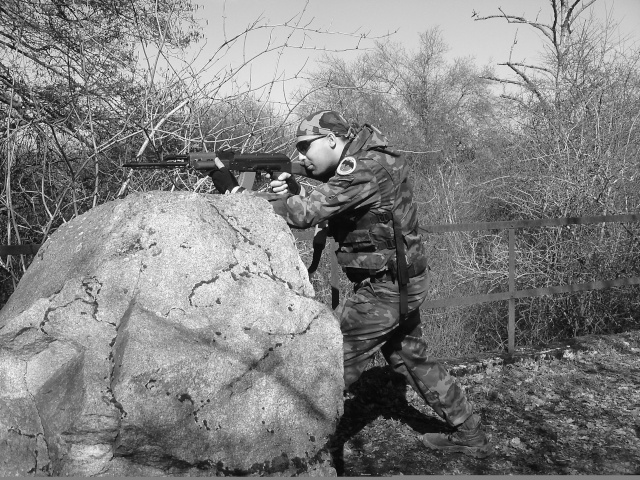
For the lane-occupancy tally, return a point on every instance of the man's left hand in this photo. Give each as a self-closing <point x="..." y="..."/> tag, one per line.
<point x="223" y="179"/>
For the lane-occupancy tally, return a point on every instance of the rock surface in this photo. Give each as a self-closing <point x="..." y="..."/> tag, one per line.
<point x="168" y="333"/>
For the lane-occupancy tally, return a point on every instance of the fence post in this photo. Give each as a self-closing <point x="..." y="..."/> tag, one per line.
<point x="512" y="290"/>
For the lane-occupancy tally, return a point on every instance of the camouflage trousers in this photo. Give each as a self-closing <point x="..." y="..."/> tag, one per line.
<point x="369" y="321"/>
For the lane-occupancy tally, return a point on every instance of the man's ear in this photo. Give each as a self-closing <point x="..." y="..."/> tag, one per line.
<point x="336" y="143"/>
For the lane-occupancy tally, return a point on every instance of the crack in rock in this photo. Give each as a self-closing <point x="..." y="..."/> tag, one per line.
<point x="115" y="355"/>
<point x="244" y="237"/>
<point x="93" y="304"/>
<point x="266" y="250"/>
<point x="246" y="273"/>
<point x="226" y="218"/>
<point x="302" y="332"/>
<point x="19" y="432"/>
<point x="47" y="467"/>
<point x="209" y="282"/>
<point x="90" y="285"/>
<point x="17" y="334"/>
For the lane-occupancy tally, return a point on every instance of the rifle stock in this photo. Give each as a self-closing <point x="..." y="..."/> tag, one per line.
<point x="243" y="162"/>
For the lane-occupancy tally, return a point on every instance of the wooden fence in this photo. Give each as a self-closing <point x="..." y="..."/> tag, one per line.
<point x="511" y="295"/>
<point x="514" y="294"/>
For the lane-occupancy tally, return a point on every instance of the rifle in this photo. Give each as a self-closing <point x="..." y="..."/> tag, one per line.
<point x="243" y="162"/>
<point x="254" y="163"/>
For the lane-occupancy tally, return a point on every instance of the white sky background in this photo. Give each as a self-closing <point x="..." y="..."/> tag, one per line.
<point x="488" y="41"/>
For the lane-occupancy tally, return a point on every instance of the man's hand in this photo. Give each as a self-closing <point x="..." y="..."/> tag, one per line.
<point x="284" y="184"/>
<point x="223" y="179"/>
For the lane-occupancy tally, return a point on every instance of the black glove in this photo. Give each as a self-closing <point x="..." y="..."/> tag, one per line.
<point x="223" y="179"/>
<point x="294" y="186"/>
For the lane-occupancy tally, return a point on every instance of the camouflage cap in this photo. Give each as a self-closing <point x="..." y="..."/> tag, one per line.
<point x="323" y="122"/>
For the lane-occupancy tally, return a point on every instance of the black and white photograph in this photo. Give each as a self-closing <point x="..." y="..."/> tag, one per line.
<point x="319" y="238"/>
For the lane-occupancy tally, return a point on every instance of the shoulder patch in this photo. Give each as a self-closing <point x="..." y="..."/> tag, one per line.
<point x="346" y="166"/>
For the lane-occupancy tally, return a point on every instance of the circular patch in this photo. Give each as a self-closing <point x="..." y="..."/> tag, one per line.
<point x="346" y="166"/>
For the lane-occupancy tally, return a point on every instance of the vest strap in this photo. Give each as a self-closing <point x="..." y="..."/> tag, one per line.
<point x="403" y="271"/>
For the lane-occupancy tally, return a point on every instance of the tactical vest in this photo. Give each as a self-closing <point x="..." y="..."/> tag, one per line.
<point x="367" y="238"/>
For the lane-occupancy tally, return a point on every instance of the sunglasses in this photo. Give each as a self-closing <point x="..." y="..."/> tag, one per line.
<point x="303" y="146"/>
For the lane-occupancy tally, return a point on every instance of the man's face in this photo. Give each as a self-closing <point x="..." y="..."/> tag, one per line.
<point x="320" y="156"/>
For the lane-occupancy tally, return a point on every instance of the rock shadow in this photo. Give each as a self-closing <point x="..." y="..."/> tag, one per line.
<point x="379" y="392"/>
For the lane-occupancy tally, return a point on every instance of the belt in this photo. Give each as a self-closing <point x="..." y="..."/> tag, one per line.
<point x="388" y="276"/>
<point x="357" y="275"/>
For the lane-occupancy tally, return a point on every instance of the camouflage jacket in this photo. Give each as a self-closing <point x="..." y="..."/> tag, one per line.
<point x="370" y="185"/>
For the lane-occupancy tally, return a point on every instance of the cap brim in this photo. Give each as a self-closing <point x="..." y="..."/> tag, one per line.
<point x="302" y="138"/>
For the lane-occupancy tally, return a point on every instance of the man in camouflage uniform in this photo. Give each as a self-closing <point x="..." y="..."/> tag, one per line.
<point x="368" y="202"/>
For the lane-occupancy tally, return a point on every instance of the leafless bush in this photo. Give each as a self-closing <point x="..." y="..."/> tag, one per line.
<point x="85" y="86"/>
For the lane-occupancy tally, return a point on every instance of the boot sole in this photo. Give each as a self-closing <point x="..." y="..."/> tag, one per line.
<point x="476" y="452"/>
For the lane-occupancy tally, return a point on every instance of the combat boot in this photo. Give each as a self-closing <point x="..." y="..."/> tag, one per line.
<point x="469" y="438"/>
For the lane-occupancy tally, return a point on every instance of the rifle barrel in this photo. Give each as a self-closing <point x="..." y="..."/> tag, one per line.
<point x="156" y="164"/>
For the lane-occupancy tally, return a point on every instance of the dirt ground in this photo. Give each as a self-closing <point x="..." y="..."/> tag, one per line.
<point x="577" y="414"/>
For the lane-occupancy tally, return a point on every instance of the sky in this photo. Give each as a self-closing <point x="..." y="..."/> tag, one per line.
<point x="487" y="41"/>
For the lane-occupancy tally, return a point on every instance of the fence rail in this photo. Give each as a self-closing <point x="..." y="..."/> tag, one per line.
<point x="511" y="295"/>
<point x="30" y="249"/>
<point x="542" y="222"/>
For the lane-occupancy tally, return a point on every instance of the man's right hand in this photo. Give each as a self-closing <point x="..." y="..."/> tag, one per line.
<point x="285" y="184"/>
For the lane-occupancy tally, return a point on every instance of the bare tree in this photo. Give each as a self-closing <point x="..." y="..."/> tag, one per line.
<point x="70" y="93"/>
<point x="420" y="99"/>
<point x="85" y="85"/>
<point x="573" y="137"/>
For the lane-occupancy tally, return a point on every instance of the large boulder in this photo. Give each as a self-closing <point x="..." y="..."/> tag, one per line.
<point x="168" y="333"/>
